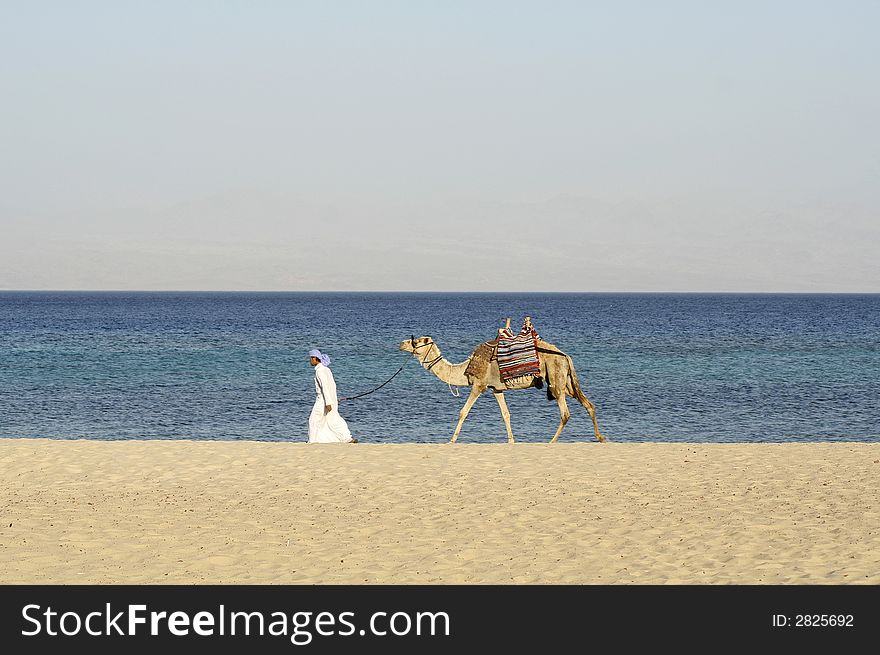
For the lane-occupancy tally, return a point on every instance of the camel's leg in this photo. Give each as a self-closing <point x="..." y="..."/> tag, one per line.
<point x="462" y="415"/>
<point x="564" y="415"/>
<point x="505" y="414"/>
<point x="592" y="410"/>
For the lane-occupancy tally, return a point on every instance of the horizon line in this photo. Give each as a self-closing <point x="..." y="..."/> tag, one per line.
<point x="386" y="291"/>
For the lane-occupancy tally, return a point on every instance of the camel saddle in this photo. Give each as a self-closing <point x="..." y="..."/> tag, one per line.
<point x="487" y="351"/>
<point x="483" y="354"/>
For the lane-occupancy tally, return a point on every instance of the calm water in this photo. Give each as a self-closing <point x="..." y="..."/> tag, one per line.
<point x="659" y="367"/>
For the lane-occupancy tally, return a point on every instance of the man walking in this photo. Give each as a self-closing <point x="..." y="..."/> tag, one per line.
<point x="326" y="425"/>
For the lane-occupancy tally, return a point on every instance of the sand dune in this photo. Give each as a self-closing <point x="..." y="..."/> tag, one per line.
<point x="283" y="513"/>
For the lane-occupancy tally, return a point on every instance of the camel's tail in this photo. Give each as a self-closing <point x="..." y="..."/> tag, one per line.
<point x="575" y="390"/>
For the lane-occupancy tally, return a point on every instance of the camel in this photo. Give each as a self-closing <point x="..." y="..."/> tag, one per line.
<point x="557" y="370"/>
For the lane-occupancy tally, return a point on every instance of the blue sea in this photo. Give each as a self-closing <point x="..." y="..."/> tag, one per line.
<point x="719" y="368"/>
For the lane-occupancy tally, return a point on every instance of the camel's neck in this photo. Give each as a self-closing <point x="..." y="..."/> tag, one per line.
<point x="450" y="373"/>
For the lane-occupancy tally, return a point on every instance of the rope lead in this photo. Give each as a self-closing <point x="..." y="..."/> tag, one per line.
<point x="367" y="393"/>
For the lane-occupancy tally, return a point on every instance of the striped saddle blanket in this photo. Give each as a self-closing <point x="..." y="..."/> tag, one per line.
<point x="518" y="353"/>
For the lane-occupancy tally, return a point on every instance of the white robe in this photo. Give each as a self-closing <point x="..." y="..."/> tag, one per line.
<point x="329" y="427"/>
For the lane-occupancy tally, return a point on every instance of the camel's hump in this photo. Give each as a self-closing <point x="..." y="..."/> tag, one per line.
<point x="546" y="345"/>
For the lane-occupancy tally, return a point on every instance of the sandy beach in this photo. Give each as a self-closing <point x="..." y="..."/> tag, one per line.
<point x="152" y="512"/>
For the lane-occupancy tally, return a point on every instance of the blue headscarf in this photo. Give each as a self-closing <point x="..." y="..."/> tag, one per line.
<point x="325" y="359"/>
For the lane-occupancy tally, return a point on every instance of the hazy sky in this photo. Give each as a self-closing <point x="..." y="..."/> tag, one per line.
<point x="458" y="146"/>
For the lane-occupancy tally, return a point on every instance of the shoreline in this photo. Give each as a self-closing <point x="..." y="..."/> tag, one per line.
<point x="224" y="512"/>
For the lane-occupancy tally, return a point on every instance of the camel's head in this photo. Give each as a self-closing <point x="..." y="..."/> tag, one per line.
<point x="416" y="344"/>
